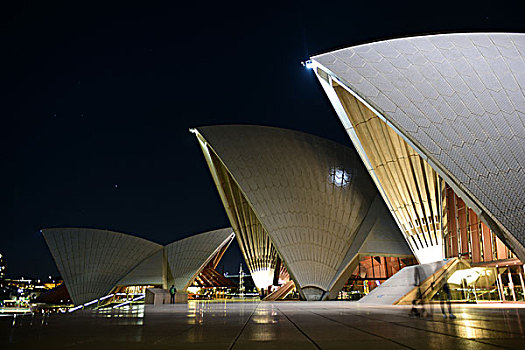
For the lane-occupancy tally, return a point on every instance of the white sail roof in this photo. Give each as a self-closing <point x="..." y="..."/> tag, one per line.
<point x="459" y="99"/>
<point x="187" y="257"/>
<point x="310" y="194"/>
<point x="92" y="261"/>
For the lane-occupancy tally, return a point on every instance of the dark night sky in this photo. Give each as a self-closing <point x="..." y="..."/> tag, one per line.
<point x="98" y="96"/>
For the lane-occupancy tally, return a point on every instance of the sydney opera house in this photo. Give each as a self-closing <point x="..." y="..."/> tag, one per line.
<point x="436" y="178"/>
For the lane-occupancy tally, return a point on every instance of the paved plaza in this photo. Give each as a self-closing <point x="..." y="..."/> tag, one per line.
<point x="267" y="325"/>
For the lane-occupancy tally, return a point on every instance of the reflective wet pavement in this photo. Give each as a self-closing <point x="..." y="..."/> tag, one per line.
<point x="265" y="325"/>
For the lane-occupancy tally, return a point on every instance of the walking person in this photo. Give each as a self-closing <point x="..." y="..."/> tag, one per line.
<point x="418" y="307"/>
<point x="445" y="298"/>
<point x="173" y="291"/>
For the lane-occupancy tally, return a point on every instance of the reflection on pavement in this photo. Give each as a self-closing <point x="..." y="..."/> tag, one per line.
<point x="269" y="324"/>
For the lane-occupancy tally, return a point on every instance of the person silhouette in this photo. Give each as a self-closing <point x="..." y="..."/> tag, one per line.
<point x="418" y="309"/>
<point x="173" y="291"/>
<point x="446" y="295"/>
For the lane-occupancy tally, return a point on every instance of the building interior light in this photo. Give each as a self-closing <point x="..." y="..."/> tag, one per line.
<point x="263" y="278"/>
<point x="76" y="308"/>
<point x="91" y="302"/>
<point x="107" y="296"/>
<point x="340" y="177"/>
<point x="129" y="301"/>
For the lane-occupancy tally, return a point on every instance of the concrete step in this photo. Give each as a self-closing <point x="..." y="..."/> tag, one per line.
<point x="281" y="292"/>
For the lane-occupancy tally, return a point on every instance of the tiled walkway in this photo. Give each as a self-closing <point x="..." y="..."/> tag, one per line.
<point x="264" y="325"/>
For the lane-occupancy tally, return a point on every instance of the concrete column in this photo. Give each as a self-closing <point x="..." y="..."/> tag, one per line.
<point x="500" y="286"/>
<point x="164" y="269"/>
<point x="511" y="285"/>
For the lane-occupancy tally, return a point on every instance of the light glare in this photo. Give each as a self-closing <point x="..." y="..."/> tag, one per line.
<point x="263" y="278"/>
<point x="308" y="64"/>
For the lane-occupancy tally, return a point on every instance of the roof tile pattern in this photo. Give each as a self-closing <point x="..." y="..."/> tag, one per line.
<point x="461" y="99"/>
<point x="148" y="272"/>
<point x="310" y="194"/>
<point x="187" y="257"/>
<point x="92" y="261"/>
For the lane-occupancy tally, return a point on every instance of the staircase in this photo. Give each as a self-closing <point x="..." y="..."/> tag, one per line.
<point x="403" y="287"/>
<point x="281" y="292"/>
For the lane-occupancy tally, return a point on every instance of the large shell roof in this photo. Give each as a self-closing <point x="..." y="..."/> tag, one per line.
<point x="310" y="194"/>
<point x="459" y="98"/>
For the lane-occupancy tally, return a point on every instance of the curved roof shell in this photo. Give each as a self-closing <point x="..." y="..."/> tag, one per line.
<point x="310" y="194"/>
<point x="459" y="100"/>
<point x="92" y="261"/>
<point x="257" y="249"/>
<point x="189" y="256"/>
<point x="149" y="272"/>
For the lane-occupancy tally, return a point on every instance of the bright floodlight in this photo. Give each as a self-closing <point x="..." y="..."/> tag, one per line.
<point x="308" y="64"/>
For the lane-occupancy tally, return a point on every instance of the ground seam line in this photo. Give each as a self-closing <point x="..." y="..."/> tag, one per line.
<point x="171" y="335"/>
<point x="361" y="330"/>
<point x="243" y="327"/>
<point x="450" y="335"/>
<point x="431" y="331"/>
<point x="299" y="329"/>
<point x="462" y="325"/>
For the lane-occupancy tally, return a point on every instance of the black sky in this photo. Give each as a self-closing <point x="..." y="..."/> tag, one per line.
<point x="97" y="99"/>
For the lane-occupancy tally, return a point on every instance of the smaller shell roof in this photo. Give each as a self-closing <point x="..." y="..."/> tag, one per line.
<point x="460" y="99"/>
<point x="187" y="257"/>
<point x="92" y="261"/>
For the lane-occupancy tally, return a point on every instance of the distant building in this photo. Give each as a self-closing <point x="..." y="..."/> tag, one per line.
<point x="2" y="269"/>
<point x="4" y="293"/>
